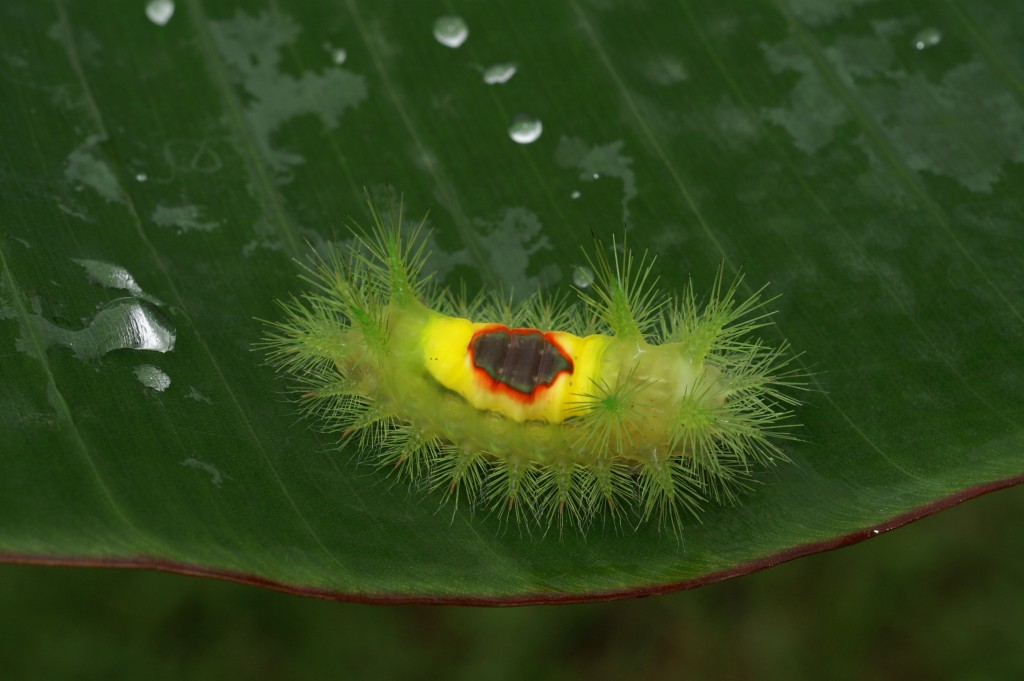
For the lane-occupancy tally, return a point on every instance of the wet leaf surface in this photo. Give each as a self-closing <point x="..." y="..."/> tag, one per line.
<point x="161" y="174"/>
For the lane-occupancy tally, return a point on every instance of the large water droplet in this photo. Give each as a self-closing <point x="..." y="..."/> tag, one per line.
<point x="499" y="73"/>
<point x="160" y="11"/>
<point x="451" y="30"/>
<point x="126" y="324"/>
<point x="525" y="129"/>
<point x="582" y="276"/>
<point x="928" y="37"/>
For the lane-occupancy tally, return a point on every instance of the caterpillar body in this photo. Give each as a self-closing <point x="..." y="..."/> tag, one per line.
<point x="644" y="407"/>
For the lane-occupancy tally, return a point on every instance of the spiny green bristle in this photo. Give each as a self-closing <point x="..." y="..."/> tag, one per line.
<point x="623" y="295"/>
<point x="348" y="294"/>
<point x="499" y="306"/>
<point x="721" y="475"/>
<point x="697" y="424"/>
<point x="613" y="484"/>
<point x="688" y="407"/>
<point x="539" y="311"/>
<point x="395" y="259"/>
<point x="565" y="491"/>
<point x="352" y="291"/>
<point x="409" y="451"/>
<point x="459" y="473"/>
<point x="717" y="324"/>
<point x="667" y="489"/>
<point x="543" y="311"/>
<point x="508" y="489"/>
<point x="608" y="414"/>
<point x="306" y="341"/>
<point x="373" y="425"/>
<point x="762" y="372"/>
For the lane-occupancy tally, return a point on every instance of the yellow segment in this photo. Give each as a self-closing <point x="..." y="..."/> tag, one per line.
<point x="446" y="354"/>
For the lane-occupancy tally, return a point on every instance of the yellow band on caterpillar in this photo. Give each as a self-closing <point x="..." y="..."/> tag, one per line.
<point x="448" y="351"/>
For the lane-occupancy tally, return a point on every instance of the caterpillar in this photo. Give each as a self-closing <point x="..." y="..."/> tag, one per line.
<point x="626" y="404"/>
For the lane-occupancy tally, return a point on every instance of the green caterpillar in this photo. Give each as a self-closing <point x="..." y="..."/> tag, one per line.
<point x="645" y="406"/>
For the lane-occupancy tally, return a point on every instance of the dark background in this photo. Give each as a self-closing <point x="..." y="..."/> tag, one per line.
<point x="942" y="598"/>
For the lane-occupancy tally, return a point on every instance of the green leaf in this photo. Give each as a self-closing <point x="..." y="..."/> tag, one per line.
<point x="161" y="175"/>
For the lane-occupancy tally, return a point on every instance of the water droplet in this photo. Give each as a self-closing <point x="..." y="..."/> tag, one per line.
<point x="928" y="37"/>
<point x="160" y="11"/>
<point x="153" y="377"/>
<point x="125" y="324"/>
<point x="338" y="54"/>
<point x="451" y="30"/>
<point x="115" y="277"/>
<point x="874" y="531"/>
<point x="525" y="129"/>
<point x="141" y="177"/>
<point x="597" y="175"/>
<point x="582" y="276"/>
<point x="499" y="73"/>
<point x="130" y="325"/>
<point x="575" y="194"/>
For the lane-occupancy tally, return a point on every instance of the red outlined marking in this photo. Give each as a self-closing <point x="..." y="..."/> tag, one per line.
<point x="487" y="382"/>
